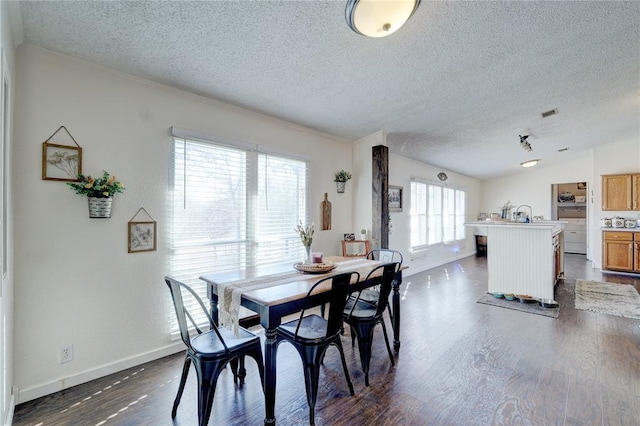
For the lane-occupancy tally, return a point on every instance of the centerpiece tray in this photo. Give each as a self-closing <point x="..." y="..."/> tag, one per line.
<point x="315" y="268"/>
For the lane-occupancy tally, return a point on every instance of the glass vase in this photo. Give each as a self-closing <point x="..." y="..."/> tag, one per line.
<point x="308" y="259"/>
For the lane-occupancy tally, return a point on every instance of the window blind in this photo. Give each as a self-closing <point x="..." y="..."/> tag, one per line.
<point x="232" y="208"/>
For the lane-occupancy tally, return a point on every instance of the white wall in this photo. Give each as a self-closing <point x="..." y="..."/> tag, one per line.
<point x="75" y="282"/>
<point x="362" y="184"/>
<point x="401" y="171"/>
<point x="533" y="186"/>
<point x="7" y="401"/>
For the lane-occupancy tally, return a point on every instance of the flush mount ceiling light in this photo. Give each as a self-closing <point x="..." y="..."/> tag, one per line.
<point x="529" y="163"/>
<point x="524" y="144"/>
<point x="379" y="18"/>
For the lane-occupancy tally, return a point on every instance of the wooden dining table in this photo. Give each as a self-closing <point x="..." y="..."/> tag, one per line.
<point x="277" y="291"/>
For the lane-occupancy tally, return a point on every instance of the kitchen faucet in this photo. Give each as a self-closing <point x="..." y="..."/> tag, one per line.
<point x="529" y="218"/>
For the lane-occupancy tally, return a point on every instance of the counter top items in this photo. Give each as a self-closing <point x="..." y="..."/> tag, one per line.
<point x="620" y="223"/>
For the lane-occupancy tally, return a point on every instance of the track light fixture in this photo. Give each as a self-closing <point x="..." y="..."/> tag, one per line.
<point x="524" y="144"/>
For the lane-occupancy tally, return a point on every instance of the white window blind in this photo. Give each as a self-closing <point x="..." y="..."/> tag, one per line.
<point x="232" y="208"/>
<point x="437" y="214"/>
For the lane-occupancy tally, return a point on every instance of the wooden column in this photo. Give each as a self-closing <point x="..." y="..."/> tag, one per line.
<point x="380" y="197"/>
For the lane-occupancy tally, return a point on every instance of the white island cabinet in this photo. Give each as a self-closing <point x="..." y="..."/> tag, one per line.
<point x="523" y="258"/>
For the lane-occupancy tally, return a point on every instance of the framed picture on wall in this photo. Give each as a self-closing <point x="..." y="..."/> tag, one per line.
<point x="142" y="236"/>
<point x="395" y="198"/>
<point x="61" y="162"/>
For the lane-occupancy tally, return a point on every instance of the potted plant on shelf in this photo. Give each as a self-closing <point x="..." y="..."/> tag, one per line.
<point x="99" y="192"/>
<point x="341" y="179"/>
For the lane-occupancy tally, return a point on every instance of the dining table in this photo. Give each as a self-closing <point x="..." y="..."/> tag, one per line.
<point x="274" y="292"/>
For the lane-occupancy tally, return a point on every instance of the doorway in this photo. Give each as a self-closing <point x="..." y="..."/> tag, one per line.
<point x="569" y="203"/>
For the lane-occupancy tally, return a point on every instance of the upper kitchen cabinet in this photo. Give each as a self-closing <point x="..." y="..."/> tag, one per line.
<point x="621" y="192"/>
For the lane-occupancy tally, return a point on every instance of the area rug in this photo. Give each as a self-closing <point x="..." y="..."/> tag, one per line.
<point x="606" y="298"/>
<point x="530" y="308"/>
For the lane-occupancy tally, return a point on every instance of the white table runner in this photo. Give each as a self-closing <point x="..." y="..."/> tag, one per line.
<point x="230" y="293"/>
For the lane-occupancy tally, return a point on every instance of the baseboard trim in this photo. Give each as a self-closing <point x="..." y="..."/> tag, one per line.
<point x="44" y="389"/>
<point x="8" y="421"/>
<point x="413" y="269"/>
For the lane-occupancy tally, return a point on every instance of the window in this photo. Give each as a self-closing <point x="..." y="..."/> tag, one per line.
<point x="233" y="208"/>
<point x="437" y="214"/>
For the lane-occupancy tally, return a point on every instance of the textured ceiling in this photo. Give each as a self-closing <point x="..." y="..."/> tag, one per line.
<point x="454" y="87"/>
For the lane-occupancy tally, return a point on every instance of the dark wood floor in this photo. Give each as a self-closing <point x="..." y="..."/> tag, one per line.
<point x="461" y="362"/>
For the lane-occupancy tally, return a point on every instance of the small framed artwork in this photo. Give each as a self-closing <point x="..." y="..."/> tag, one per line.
<point x="582" y="185"/>
<point x="349" y="237"/>
<point x="142" y="236"/>
<point x="61" y="162"/>
<point x="395" y="198"/>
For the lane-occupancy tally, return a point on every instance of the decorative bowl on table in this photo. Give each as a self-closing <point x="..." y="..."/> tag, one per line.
<point x="509" y="296"/>
<point x="314" y="268"/>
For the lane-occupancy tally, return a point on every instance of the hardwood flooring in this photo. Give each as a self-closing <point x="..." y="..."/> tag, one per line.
<point x="460" y="363"/>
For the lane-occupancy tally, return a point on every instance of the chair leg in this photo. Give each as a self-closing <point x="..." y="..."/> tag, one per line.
<point x="311" y="357"/>
<point x="242" y="372"/>
<point x="364" y="333"/>
<point x="208" y="373"/>
<point x="183" y="380"/>
<point x="344" y="367"/>
<point x="234" y="369"/>
<point x="386" y="340"/>
<point x="391" y="317"/>
<point x="256" y="354"/>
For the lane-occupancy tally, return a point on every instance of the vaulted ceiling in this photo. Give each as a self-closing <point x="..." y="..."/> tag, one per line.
<point x="454" y="87"/>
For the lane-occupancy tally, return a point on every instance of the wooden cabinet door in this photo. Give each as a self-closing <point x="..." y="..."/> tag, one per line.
<point x="616" y="192"/>
<point x="618" y="255"/>
<point x="636" y="252"/>
<point x="635" y="204"/>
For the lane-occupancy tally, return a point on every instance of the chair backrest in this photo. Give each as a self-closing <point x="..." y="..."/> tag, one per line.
<point x="385" y="255"/>
<point x="182" y="312"/>
<point x="338" y="300"/>
<point x="389" y="272"/>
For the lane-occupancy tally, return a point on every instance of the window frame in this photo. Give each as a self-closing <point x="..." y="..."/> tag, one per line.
<point x="423" y="215"/>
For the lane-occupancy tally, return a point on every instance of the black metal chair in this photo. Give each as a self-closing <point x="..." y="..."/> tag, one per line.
<point x="363" y="316"/>
<point x="387" y="256"/>
<point x="209" y="350"/>
<point x="311" y="335"/>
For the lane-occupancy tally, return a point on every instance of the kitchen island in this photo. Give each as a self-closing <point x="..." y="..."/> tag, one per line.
<point x="523" y="258"/>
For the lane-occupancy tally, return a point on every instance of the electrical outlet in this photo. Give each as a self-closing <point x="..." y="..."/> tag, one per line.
<point x="66" y="354"/>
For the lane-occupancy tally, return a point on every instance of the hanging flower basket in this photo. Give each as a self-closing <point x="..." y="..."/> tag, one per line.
<point x="99" y="193"/>
<point x="341" y="179"/>
<point x="100" y="208"/>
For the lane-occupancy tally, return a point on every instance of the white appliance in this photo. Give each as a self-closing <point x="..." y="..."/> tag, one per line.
<point x="575" y="236"/>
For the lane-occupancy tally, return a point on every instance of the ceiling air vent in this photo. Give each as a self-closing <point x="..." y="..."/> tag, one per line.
<point x="549" y="113"/>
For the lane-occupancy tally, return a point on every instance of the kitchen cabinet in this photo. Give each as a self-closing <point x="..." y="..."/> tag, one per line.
<point x="621" y="192"/>
<point x="636" y="255"/>
<point x="620" y="251"/>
